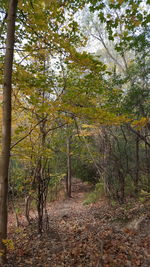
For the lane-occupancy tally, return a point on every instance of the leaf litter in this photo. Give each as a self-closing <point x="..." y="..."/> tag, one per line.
<point x="92" y="236"/>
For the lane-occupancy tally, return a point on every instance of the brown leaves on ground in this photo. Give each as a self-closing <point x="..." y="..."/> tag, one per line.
<point x="95" y="235"/>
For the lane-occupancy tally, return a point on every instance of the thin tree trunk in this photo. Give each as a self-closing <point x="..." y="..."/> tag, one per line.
<point x="42" y="180"/>
<point x="40" y="203"/>
<point x="122" y="187"/>
<point x="69" y="166"/>
<point x="136" y="182"/>
<point x="66" y="183"/>
<point x="147" y="154"/>
<point x="6" y="127"/>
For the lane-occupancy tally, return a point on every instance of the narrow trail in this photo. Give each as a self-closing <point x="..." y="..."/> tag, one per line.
<point x="83" y="236"/>
<point x="73" y="205"/>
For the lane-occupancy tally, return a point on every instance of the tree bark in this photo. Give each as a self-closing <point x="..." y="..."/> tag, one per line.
<point x="6" y="125"/>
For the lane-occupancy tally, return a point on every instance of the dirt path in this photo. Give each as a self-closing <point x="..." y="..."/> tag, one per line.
<point x="83" y="236"/>
<point x="73" y="205"/>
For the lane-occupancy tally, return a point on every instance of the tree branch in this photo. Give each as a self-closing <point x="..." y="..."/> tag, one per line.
<point x="142" y="137"/>
<point x="107" y="50"/>
<point x="51" y="129"/>
<point x="27" y="134"/>
<point x="55" y="128"/>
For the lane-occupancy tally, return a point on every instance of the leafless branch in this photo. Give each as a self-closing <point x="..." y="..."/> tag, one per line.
<point x="99" y="37"/>
<point x="57" y="127"/>
<point x="142" y="137"/>
<point x="20" y="140"/>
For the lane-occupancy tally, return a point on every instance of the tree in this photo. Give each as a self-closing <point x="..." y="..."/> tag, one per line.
<point x="6" y="127"/>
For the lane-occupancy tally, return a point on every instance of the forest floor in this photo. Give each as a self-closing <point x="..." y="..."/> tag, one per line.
<point x="84" y="235"/>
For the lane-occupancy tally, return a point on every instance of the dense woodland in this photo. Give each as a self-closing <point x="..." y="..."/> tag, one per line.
<point x="74" y="106"/>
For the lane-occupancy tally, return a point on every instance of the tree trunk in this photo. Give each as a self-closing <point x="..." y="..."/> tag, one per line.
<point x="40" y="203"/>
<point x="68" y="181"/>
<point x="6" y="126"/>
<point x="136" y="182"/>
<point x="42" y="179"/>
<point x="122" y="187"/>
<point x="147" y="154"/>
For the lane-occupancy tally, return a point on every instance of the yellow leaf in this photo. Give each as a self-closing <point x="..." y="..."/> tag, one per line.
<point x="120" y="1"/>
<point x="8" y="243"/>
<point x="140" y="123"/>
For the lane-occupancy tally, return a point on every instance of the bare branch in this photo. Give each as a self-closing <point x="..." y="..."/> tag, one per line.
<point x="142" y="137"/>
<point x="107" y="50"/>
<point x="55" y="128"/>
<point x="27" y="134"/>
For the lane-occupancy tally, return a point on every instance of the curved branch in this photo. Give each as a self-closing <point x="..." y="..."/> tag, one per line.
<point x="142" y="137"/>
<point x="26" y="134"/>
<point x="107" y="50"/>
